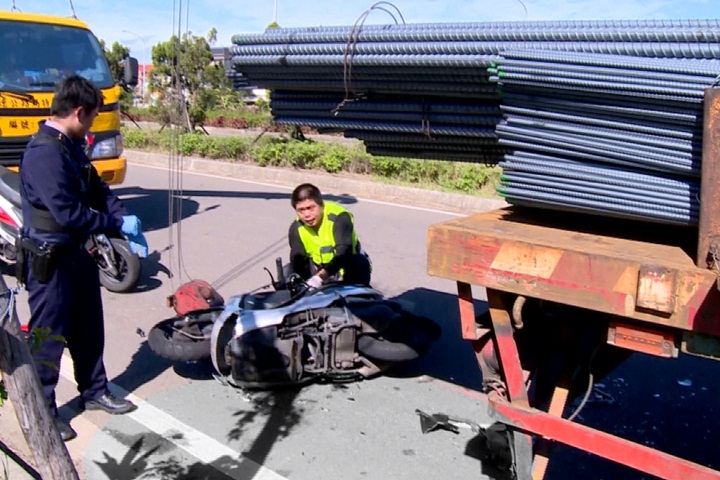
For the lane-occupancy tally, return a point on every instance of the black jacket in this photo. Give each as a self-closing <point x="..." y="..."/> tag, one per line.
<point x="60" y="179"/>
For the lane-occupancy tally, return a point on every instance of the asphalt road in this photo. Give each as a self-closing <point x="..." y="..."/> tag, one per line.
<point x="189" y="425"/>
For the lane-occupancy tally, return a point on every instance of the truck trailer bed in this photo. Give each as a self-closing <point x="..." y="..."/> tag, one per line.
<point x="608" y="265"/>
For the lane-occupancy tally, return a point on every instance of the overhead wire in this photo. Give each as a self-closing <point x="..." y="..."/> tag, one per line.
<point x="176" y="171"/>
<point x="351" y="43"/>
<point x="245" y="265"/>
<point x="176" y="160"/>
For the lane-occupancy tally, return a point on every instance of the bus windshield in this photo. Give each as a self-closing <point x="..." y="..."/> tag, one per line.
<point x="35" y="56"/>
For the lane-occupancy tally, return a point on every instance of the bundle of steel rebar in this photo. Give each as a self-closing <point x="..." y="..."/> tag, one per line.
<point x="534" y="179"/>
<point x="644" y="115"/>
<point x="621" y="95"/>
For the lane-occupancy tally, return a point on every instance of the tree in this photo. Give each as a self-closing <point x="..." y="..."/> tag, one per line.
<point x="116" y="56"/>
<point x="186" y="76"/>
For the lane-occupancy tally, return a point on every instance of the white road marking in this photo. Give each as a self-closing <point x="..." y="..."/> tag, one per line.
<point x="194" y="442"/>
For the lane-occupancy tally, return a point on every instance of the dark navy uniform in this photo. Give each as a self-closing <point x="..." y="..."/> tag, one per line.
<point x="59" y="182"/>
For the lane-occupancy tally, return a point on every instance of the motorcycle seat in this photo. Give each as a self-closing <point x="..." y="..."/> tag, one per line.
<point x="266" y="300"/>
<point x="10" y="185"/>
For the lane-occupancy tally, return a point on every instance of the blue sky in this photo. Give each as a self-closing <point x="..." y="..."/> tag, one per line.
<point x="131" y="22"/>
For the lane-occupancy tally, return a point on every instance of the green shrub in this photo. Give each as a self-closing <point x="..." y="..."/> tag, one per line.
<point x="191" y="145"/>
<point x="471" y="178"/>
<point x="269" y="153"/>
<point x="135" y="138"/>
<point x="231" y="148"/>
<point x="335" y="159"/>
<point x="358" y="160"/>
<point x="386" y="167"/>
<point x="305" y="154"/>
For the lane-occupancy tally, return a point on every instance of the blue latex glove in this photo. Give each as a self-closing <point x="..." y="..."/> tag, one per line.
<point x="131" y="225"/>
<point x="138" y="245"/>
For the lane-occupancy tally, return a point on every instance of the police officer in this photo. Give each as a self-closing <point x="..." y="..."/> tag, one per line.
<point x="323" y="243"/>
<point x="63" y="201"/>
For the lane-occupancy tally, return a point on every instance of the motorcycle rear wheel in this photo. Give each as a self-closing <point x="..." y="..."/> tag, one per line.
<point x="127" y="264"/>
<point x="406" y="339"/>
<point x="179" y="340"/>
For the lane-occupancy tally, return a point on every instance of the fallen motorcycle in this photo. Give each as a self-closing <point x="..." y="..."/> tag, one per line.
<point x="290" y="334"/>
<point x="119" y="266"/>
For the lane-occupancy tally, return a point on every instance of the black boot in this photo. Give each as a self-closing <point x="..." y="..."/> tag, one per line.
<point x="66" y="431"/>
<point x="109" y="403"/>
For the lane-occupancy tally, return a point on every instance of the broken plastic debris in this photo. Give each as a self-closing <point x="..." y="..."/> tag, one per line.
<point x="686" y="382"/>
<point x="435" y="421"/>
<point x="603" y="397"/>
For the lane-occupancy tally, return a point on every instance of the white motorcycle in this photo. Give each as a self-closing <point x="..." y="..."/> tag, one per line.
<point x="291" y="334"/>
<point x="119" y="266"/>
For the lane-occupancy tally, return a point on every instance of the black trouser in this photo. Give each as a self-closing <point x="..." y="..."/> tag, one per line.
<point x="70" y="305"/>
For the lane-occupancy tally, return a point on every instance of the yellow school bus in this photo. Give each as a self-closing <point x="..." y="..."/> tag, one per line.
<point x="37" y="51"/>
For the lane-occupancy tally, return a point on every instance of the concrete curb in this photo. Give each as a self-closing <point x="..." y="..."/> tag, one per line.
<point x="327" y="183"/>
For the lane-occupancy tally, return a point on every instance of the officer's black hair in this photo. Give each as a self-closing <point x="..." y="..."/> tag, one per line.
<point x="306" y="191"/>
<point x="75" y="91"/>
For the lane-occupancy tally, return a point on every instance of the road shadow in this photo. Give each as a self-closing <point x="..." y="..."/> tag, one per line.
<point x="151" y="268"/>
<point x="278" y="413"/>
<point x="668" y="404"/>
<point x="154" y="207"/>
<point x="450" y="358"/>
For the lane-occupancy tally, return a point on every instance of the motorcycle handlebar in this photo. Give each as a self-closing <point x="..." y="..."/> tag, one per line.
<point x="281" y="282"/>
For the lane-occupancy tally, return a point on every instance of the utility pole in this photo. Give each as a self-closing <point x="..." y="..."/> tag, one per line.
<point x="24" y="391"/>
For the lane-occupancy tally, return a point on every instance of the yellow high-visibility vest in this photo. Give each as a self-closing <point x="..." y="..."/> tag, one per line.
<point x="320" y="245"/>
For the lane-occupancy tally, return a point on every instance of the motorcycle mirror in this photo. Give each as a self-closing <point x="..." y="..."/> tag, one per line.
<point x="272" y="280"/>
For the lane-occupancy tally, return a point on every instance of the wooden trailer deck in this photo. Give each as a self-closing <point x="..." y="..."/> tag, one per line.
<point x="651" y="278"/>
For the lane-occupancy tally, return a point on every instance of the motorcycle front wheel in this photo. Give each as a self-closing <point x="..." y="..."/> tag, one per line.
<point x="127" y="265"/>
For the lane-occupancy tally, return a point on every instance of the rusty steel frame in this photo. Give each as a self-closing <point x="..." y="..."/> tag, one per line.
<point x="515" y="411"/>
<point x="470" y="258"/>
<point x="709" y="228"/>
<point x="603" y="444"/>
